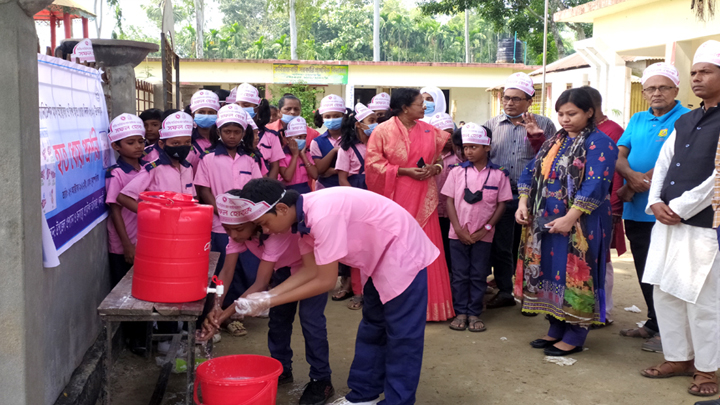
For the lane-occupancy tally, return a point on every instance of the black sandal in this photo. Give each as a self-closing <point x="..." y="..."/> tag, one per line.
<point x="472" y="323"/>
<point x="460" y="323"/>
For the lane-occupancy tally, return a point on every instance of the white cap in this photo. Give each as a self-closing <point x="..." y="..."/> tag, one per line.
<point x="332" y="103"/>
<point x="234" y="210"/>
<point x="177" y="124"/>
<point x="247" y="93"/>
<point x="232" y="113"/>
<point x="442" y="121"/>
<point x="522" y="82"/>
<point x="296" y="127"/>
<point x="204" y="99"/>
<point x="232" y="97"/>
<point x="362" y="112"/>
<point x="380" y="102"/>
<point x="474" y="134"/>
<point x="708" y="52"/>
<point x="661" y="69"/>
<point x="126" y="125"/>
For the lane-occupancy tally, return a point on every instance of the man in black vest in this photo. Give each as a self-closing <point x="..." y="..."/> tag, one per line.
<point x="683" y="262"/>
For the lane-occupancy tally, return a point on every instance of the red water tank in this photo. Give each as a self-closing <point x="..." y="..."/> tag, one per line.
<point x="173" y="248"/>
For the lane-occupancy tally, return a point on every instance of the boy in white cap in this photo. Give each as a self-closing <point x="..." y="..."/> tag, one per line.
<point x="380" y="104"/>
<point x="297" y="167"/>
<point x="170" y="171"/>
<point x="639" y="148"/>
<point x="517" y="136"/>
<point x="476" y="192"/>
<point x="683" y="261"/>
<point x="126" y="136"/>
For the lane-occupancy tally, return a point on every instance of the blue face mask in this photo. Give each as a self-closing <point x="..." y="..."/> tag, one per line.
<point x="429" y="107"/>
<point x="205" y="120"/>
<point x="300" y="143"/>
<point x="332" y="123"/>
<point x="372" y="128"/>
<point x="287" y="118"/>
<point x="250" y="110"/>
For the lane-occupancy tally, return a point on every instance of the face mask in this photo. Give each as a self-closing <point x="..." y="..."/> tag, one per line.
<point x="177" y="152"/>
<point x="469" y="196"/>
<point x="300" y="143"/>
<point x="333" y="123"/>
<point x="372" y="128"/>
<point x="512" y="116"/>
<point x="205" y="120"/>
<point x="429" y="107"/>
<point x="250" y="111"/>
<point x="287" y="118"/>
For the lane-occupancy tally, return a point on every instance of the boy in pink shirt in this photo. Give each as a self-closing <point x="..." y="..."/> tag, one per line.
<point x="127" y="138"/>
<point x="297" y="166"/>
<point x="279" y="252"/>
<point x="476" y="192"/>
<point x="377" y="236"/>
<point x="170" y="171"/>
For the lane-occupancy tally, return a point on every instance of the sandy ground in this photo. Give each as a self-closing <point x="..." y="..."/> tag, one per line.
<point x="465" y="367"/>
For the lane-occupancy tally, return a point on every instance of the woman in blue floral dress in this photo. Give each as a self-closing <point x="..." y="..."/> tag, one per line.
<point x="565" y="209"/>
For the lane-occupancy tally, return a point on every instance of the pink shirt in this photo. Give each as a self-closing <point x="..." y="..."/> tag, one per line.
<point x="300" y="175"/>
<point x="271" y="148"/>
<point x="200" y="146"/>
<point x="367" y="231"/>
<point x="117" y="177"/>
<point x="151" y="153"/>
<point x="449" y="159"/>
<point x="282" y="249"/>
<point x="161" y="175"/>
<point x="475" y="216"/>
<point x="315" y="152"/>
<point x="221" y="173"/>
<point x="347" y="160"/>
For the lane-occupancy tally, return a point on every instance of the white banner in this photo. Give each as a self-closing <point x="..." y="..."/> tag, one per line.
<point x="74" y="150"/>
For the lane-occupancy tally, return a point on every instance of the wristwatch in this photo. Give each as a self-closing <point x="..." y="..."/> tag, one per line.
<point x="488" y="227"/>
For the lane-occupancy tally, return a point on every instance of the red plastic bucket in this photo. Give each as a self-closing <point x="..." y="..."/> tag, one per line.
<point x="243" y="379"/>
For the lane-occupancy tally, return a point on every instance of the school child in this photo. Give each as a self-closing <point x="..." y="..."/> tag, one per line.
<point x="297" y="167"/>
<point x="280" y="253"/>
<point x="476" y="193"/>
<point x="324" y="148"/>
<point x="248" y="97"/>
<point x="444" y="122"/>
<point x="126" y="137"/>
<point x="170" y="171"/>
<point x="374" y="234"/>
<point x="274" y="114"/>
<point x="204" y="106"/>
<point x="152" y="120"/>
<point x="380" y="104"/>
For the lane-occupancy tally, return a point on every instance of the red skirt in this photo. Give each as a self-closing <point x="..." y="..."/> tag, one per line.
<point x="440" y="306"/>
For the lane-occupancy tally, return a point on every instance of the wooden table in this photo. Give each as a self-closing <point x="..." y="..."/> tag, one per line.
<point x="120" y="306"/>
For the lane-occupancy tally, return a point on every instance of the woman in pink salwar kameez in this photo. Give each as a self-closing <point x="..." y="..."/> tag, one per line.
<point x="394" y="152"/>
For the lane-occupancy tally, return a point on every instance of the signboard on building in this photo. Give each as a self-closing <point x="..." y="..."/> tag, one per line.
<point x="309" y="74"/>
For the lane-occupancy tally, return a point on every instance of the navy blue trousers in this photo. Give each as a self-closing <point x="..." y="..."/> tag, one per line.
<point x="471" y="268"/>
<point x="314" y="328"/>
<point x="571" y="334"/>
<point x="245" y="270"/>
<point x="389" y="345"/>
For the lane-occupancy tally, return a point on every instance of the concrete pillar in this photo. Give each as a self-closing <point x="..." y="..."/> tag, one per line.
<point x="86" y="32"/>
<point x="681" y="55"/>
<point x="122" y="87"/>
<point x="21" y="271"/>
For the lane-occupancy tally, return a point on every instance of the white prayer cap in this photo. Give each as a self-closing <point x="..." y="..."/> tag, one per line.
<point x="296" y="127"/>
<point x="362" y="112"/>
<point x="124" y="126"/>
<point x="708" y="52"/>
<point x="229" y="209"/>
<point x="332" y="103"/>
<point x="232" y="113"/>
<point x="380" y="102"/>
<point x="232" y="97"/>
<point x="248" y="93"/>
<point x="661" y="69"/>
<point x="522" y="82"/>
<point x="474" y="134"/>
<point x="177" y="124"/>
<point x="442" y="121"/>
<point x="204" y="99"/>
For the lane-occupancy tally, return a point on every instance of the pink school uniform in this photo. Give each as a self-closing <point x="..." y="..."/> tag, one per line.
<point x="495" y="186"/>
<point x="221" y="173"/>
<point x="301" y="175"/>
<point x="161" y="175"/>
<point x="200" y="147"/>
<point x="348" y="161"/>
<point x="116" y="178"/>
<point x="450" y="159"/>
<point x="281" y="249"/>
<point x="317" y="154"/>
<point x="151" y="153"/>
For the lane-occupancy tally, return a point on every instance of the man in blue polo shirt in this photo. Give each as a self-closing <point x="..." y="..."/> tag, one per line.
<point x="639" y="148"/>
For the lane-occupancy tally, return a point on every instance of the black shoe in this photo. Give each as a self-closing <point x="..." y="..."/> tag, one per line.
<point x="529" y="314"/>
<point x="542" y="343"/>
<point x="317" y="392"/>
<point x="286" y="378"/>
<point x="554" y="351"/>
<point x="711" y="402"/>
<point x="501" y="301"/>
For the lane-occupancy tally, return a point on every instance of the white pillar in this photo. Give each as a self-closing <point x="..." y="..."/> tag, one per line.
<point x="376" y="32"/>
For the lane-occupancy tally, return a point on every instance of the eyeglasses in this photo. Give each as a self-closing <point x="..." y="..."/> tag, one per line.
<point x="514" y="100"/>
<point x="663" y="89"/>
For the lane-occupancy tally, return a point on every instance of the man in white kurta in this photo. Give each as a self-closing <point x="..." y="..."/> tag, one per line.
<point x="683" y="262"/>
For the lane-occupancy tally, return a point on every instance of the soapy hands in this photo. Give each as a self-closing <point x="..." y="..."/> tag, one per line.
<point x="257" y="304"/>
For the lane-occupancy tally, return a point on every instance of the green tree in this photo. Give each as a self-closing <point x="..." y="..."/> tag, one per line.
<point x="306" y="94"/>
